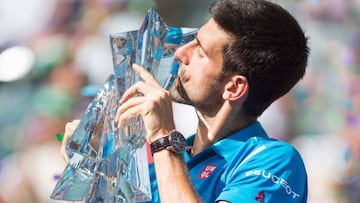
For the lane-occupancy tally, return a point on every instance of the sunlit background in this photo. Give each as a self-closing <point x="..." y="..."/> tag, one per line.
<point x="54" y="53"/>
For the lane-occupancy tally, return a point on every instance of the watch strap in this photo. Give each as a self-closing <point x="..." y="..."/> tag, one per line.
<point x="160" y="144"/>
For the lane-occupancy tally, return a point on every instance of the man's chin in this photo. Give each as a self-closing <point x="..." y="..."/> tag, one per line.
<point x="178" y="93"/>
<point x="176" y="97"/>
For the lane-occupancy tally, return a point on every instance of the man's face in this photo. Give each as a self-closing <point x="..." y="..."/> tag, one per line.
<point x="201" y="63"/>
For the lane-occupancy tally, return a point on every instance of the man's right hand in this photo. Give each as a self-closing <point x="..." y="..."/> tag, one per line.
<point x="69" y="130"/>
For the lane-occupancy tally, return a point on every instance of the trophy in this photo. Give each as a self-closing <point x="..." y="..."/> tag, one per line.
<point x="107" y="163"/>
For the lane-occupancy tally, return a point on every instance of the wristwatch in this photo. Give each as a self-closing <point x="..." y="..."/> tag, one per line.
<point x="174" y="142"/>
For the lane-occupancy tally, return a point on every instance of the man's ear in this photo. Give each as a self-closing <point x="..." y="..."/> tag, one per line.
<point x="236" y="88"/>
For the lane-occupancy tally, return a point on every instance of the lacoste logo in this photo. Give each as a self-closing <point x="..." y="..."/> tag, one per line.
<point x="207" y="171"/>
<point x="260" y="196"/>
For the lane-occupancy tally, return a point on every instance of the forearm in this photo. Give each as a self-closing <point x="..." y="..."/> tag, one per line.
<point x="174" y="183"/>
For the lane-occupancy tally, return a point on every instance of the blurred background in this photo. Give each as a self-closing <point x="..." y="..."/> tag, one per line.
<point x="54" y="53"/>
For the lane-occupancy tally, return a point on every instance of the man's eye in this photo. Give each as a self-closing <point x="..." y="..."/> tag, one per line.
<point x="199" y="52"/>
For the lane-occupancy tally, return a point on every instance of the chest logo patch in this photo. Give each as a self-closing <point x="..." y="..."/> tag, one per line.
<point x="207" y="171"/>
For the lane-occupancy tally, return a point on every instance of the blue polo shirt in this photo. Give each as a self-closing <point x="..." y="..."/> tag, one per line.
<point x="246" y="166"/>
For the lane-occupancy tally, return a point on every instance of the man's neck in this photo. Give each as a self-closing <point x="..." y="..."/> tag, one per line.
<point x="212" y="129"/>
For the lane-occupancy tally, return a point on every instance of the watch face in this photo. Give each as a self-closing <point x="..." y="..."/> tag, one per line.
<point x="177" y="141"/>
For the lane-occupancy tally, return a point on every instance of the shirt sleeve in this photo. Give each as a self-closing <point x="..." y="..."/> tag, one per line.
<point x="270" y="173"/>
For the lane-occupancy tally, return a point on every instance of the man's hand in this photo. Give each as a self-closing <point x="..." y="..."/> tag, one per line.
<point x="148" y="99"/>
<point x="69" y="130"/>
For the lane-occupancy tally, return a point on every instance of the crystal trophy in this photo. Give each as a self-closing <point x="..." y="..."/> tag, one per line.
<point x="106" y="163"/>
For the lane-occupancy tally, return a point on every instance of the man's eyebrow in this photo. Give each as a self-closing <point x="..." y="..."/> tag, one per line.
<point x="199" y="43"/>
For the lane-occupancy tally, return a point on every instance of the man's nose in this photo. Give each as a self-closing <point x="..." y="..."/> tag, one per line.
<point x="182" y="54"/>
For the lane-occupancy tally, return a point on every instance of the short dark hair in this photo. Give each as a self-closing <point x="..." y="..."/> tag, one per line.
<point x="268" y="47"/>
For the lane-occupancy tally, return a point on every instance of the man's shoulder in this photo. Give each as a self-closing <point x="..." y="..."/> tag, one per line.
<point x="268" y="153"/>
<point x="274" y="165"/>
<point x="274" y="149"/>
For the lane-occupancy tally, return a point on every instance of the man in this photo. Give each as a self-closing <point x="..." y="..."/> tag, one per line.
<point x="250" y="53"/>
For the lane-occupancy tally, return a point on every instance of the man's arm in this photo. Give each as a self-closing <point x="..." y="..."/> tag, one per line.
<point x="174" y="183"/>
<point x="155" y="107"/>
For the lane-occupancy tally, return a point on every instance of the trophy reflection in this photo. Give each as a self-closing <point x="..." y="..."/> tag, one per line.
<point x="106" y="163"/>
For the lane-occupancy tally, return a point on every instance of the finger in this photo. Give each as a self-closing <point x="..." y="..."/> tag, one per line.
<point x="122" y="108"/>
<point x="124" y="117"/>
<point x="129" y="93"/>
<point x="138" y="88"/>
<point x="129" y="109"/>
<point x="145" y="75"/>
<point x="69" y="130"/>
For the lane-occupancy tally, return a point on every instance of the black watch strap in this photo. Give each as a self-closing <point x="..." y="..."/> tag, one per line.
<point x="174" y="142"/>
<point x="160" y="144"/>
